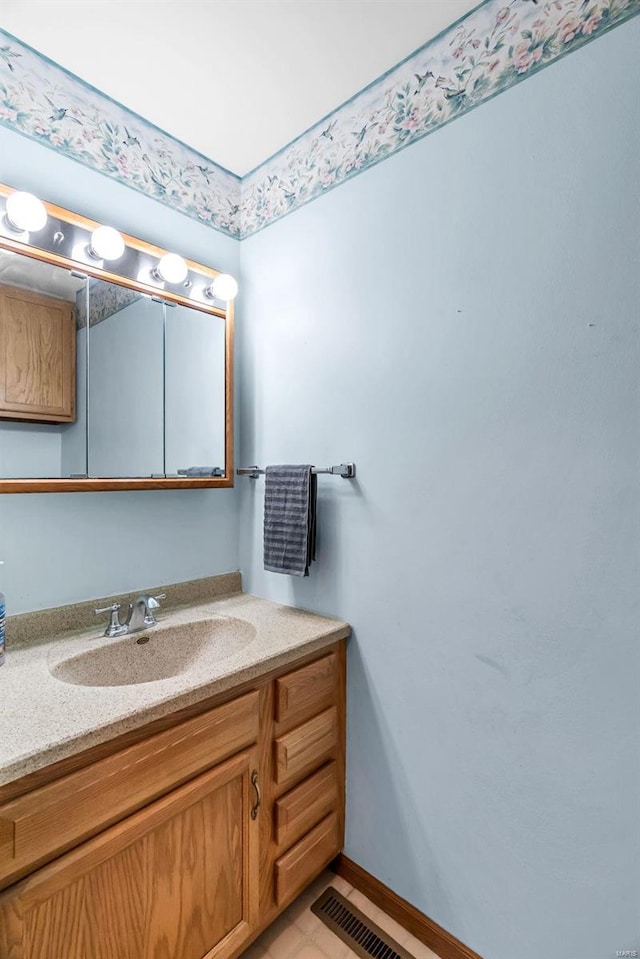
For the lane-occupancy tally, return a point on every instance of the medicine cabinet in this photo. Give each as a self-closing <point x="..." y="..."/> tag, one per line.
<point x="111" y="375"/>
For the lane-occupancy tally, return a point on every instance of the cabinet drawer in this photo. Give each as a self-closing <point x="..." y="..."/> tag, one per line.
<point x="57" y="816"/>
<point x="306" y="745"/>
<point x="297" y="811"/>
<point x="306" y="689"/>
<point x="306" y="859"/>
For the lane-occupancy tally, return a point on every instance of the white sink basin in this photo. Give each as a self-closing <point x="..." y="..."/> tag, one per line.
<point x="155" y="654"/>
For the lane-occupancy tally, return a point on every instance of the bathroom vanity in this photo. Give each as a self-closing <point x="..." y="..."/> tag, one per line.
<point x="206" y="803"/>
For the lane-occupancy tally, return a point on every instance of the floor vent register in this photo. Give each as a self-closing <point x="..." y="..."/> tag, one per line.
<point x="352" y="926"/>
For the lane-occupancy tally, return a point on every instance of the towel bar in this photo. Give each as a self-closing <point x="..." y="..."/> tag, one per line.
<point x="345" y="470"/>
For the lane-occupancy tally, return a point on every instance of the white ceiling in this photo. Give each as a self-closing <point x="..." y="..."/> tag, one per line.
<point x="236" y="79"/>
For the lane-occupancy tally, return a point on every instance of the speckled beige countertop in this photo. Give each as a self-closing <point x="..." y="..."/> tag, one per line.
<point x="46" y="719"/>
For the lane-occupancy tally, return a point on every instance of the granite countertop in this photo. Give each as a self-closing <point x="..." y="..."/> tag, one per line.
<point x="46" y="719"/>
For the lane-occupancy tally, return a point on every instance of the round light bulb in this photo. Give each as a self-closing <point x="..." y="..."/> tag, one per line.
<point x="172" y="268"/>
<point x="25" y="212"/>
<point x="224" y="287"/>
<point x="106" y="243"/>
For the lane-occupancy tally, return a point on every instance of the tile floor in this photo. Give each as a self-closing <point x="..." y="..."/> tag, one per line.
<point x="298" y="934"/>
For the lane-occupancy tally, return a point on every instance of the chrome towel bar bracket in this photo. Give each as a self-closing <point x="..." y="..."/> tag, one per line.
<point x="345" y="470"/>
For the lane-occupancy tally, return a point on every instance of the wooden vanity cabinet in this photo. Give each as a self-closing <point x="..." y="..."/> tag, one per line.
<point x="188" y="841"/>
<point x="37" y="357"/>
<point x="178" y="878"/>
<point x="304" y="765"/>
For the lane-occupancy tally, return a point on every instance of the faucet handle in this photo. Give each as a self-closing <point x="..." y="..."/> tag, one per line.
<point x="108" y="609"/>
<point x="115" y="628"/>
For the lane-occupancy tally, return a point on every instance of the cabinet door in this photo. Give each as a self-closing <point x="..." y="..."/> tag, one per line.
<point x="178" y="879"/>
<point x="37" y="356"/>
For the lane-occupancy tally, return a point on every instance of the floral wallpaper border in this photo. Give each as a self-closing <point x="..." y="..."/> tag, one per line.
<point x="498" y="44"/>
<point x="495" y="46"/>
<point x="54" y="107"/>
<point x="105" y="300"/>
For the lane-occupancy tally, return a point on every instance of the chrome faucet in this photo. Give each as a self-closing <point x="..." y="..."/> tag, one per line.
<point x="141" y="612"/>
<point x="140" y="615"/>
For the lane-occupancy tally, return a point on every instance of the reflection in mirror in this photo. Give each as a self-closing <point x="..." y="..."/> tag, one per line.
<point x="125" y="382"/>
<point x="195" y="392"/>
<point x="42" y="370"/>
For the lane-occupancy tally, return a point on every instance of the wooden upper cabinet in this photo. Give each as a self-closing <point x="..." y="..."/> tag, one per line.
<point x="37" y="357"/>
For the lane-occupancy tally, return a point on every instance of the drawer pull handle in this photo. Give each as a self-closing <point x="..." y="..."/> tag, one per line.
<point x="254" y="783"/>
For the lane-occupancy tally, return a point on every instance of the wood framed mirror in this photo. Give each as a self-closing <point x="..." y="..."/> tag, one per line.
<point x="112" y="377"/>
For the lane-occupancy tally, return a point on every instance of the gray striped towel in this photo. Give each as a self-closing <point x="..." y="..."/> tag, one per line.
<point x="289" y="519"/>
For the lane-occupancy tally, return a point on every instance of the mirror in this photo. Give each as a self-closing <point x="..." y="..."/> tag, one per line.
<point x="195" y="391"/>
<point x="126" y="391"/>
<point x="104" y="384"/>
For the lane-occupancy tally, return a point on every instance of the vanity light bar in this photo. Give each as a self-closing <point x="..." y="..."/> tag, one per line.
<point x="171" y="268"/>
<point x="345" y="470"/>
<point x="25" y="213"/>
<point x="106" y="243"/>
<point x="224" y="287"/>
<point x="28" y="223"/>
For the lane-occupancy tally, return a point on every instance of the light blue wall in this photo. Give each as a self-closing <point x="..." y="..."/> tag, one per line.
<point x="61" y="548"/>
<point x="30" y="449"/>
<point x="462" y="322"/>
